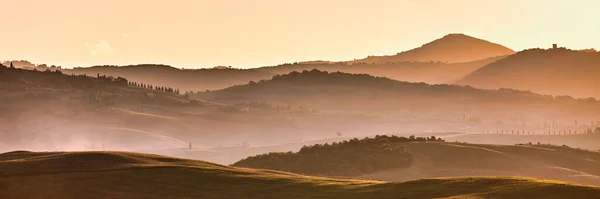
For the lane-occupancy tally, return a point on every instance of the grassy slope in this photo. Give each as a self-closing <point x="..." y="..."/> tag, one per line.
<point x="129" y="175"/>
<point x="457" y="159"/>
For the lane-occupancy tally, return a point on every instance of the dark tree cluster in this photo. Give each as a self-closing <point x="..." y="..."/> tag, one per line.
<point x="151" y="87"/>
<point x="118" y="80"/>
<point x="347" y="158"/>
<point x="19" y="79"/>
<point x="538" y="143"/>
<point x="343" y="63"/>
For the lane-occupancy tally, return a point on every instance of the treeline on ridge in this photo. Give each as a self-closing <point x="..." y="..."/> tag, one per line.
<point x="363" y="82"/>
<point x="347" y="158"/>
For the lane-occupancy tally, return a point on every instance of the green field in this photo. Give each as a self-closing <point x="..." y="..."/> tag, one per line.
<point x="131" y="175"/>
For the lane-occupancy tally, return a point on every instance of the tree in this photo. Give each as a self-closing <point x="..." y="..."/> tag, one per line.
<point x="11" y="65"/>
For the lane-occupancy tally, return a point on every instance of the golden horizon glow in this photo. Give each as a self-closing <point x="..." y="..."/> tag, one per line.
<point x="254" y="33"/>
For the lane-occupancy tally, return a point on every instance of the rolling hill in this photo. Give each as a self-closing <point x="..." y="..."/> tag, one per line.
<point x="50" y="110"/>
<point x="394" y="106"/>
<point x="130" y="175"/>
<point x="347" y="158"/>
<point x="19" y="64"/>
<point x="453" y="48"/>
<point x="554" y="71"/>
<point x="53" y="111"/>
<point x="410" y="71"/>
<point x="444" y="60"/>
<point x="430" y="159"/>
<point x="184" y="79"/>
<point x="343" y="92"/>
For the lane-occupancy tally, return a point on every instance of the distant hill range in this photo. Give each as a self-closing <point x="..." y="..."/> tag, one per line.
<point x="412" y="103"/>
<point x="444" y="60"/>
<point x="55" y="111"/>
<point x="339" y="89"/>
<point x="557" y="71"/>
<point x="411" y="71"/>
<point x="19" y="64"/>
<point x="184" y="79"/>
<point x="453" y="48"/>
<point x="452" y="59"/>
<point x="50" y="110"/>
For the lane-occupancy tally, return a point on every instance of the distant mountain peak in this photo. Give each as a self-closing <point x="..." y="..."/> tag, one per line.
<point x="454" y="48"/>
<point x="457" y="35"/>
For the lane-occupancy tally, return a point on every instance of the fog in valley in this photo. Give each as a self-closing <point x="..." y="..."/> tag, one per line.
<point x="379" y="119"/>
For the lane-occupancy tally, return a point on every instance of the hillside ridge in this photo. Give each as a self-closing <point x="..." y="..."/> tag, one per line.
<point x="203" y="180"/>
<point x="557" y="71"/>
<point x="451" y="48"/>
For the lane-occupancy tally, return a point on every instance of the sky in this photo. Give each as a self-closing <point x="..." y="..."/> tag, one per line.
<point x="254" y="33"/>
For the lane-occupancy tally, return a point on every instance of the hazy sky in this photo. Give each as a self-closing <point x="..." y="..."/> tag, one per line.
<point x="252" y="33"/>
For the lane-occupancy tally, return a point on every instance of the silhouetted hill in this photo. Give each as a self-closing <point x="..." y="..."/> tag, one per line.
<point x="341" y="87"/>
<point x="449" y="108"/>
<point x="348" y="158"/>
<point x="428" y="72"/>
<point x="444" y="60"/>
<point x="53" y="110"/>
<point x="19" y="64"/>
<point x="129" y="175"/>
<point x="184" y="79"/>
<point x="554" y="71"/>
<point x="422" y="158"/>
<point x="450" y="48"/>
